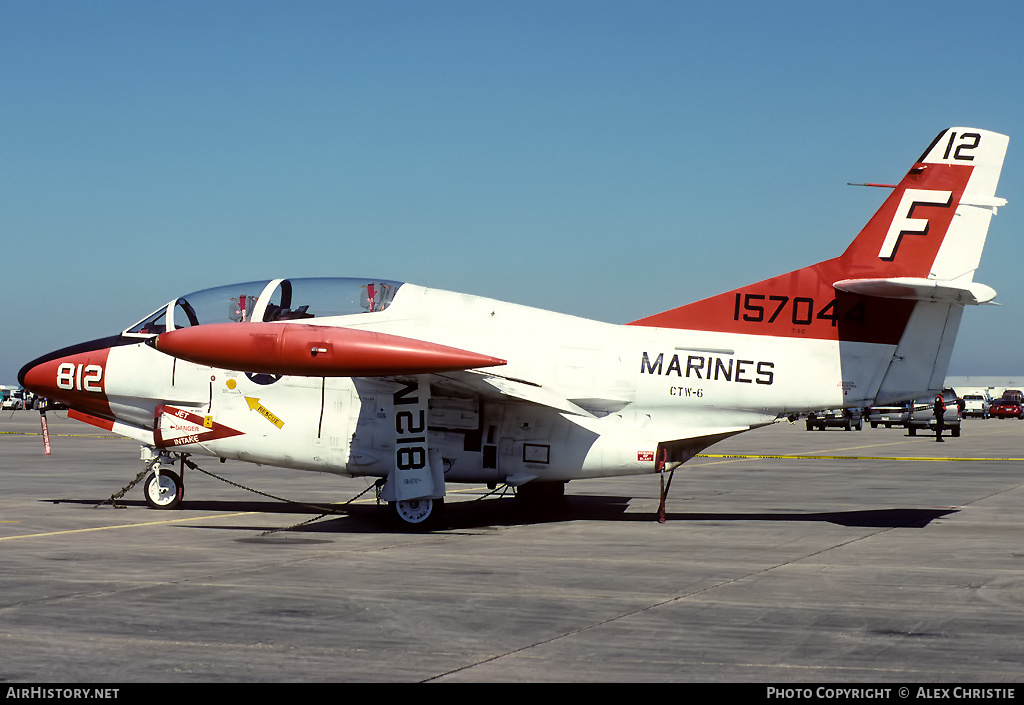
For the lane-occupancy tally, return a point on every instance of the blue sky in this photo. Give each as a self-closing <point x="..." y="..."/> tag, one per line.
<point x="604" y="159"/>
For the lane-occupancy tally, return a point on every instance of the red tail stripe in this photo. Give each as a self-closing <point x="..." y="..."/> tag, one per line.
<point x="804" y="303"/>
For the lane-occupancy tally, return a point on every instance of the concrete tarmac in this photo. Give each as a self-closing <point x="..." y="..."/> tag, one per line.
<point x="888" y="568"/>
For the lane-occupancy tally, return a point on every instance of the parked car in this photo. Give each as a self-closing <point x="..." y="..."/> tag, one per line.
<point x="847" y="419"/>
<point x="44" y="404"/>
<point x="1007" y="408"/>
<point x="922" y="414"/>
<point x="977" y="405"/>
<point x="15" y="399"/>
<point x="889" y="415"/>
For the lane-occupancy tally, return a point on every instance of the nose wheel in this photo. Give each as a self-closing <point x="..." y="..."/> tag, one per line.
<point x="164" y="490"/>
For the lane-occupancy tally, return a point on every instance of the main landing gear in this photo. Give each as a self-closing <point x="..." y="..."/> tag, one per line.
<point x="420" y="514"/>
<point x="164" y="489"/>
<point x="416" y="513"/>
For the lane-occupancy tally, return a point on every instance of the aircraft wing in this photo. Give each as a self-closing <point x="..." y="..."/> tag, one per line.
<point x="672" y="445"/>
<point x="327" y="351"/>
<point x="486" y="383"/>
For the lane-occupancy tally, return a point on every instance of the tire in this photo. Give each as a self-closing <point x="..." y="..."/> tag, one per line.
<point x="168" y="494"/>
<point x="416" y="514"/>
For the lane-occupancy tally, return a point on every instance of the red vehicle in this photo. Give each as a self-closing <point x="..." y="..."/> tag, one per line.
<point x="1009" y="407"/>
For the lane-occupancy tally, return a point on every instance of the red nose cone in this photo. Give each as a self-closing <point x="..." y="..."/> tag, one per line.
<point x="76" y="379"/>
<point x="314" y="351"/>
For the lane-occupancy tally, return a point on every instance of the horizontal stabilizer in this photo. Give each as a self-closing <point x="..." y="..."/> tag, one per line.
<point x="919" y="289"/>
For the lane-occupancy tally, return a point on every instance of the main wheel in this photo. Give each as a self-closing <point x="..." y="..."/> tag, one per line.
<point x="416" y="513"/>
<point x="164" y="492"/>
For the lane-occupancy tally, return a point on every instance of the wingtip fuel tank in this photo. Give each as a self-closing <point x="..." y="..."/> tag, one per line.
<point x="313" y="351"/>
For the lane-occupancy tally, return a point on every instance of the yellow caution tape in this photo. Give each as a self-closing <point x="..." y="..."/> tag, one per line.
<point x="845" y="457"/>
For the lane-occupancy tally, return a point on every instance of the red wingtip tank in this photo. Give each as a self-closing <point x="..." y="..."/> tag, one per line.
<point x="313" y="351"/>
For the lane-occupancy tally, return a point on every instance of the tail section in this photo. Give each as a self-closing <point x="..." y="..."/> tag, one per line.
<point x="934" y="224"/>
<point x="902" y="282"/>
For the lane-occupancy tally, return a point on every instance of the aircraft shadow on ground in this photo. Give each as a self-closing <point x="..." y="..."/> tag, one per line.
<point x="507" y="511"/>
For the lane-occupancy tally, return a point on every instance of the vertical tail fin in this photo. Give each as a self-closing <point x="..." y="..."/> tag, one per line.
<point x="900" y="286"/>
<point x="924" y="242"/>
<point x="931" y="245"/>
<point x="934" y="224"/>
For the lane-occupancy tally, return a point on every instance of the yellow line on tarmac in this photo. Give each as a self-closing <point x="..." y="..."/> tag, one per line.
<point x="124" y="526"/>
<point x="846" y="457"/>
<point x="64" y="435"/>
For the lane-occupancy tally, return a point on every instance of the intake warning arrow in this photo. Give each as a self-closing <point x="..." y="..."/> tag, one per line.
<point x="254" y="405"/>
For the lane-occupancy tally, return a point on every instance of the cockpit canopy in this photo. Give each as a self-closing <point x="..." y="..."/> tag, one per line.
<point x="270" y="300"/>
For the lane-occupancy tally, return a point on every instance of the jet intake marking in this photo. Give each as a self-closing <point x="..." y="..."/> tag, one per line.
<point x="710" y="367"/>
<point x="254" y="405"/>
<point x="178" y="427"/>
<point x="902" y="224"/>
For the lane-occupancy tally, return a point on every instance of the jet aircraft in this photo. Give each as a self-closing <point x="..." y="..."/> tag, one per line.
<point x="419" y="388"/>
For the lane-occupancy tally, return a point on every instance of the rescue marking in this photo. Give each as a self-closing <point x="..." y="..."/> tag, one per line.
<point x="254" y="405"/>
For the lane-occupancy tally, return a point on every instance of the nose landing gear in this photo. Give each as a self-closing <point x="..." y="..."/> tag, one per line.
<point x="164" y="489"/>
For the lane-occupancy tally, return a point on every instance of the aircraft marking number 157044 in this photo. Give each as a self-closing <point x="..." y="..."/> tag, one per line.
<point x="799" y="310"/>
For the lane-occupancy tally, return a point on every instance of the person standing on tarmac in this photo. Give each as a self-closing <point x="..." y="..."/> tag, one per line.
<point x="940" y="410"/>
